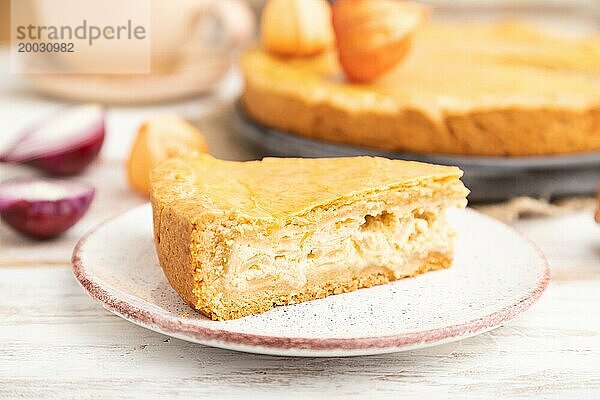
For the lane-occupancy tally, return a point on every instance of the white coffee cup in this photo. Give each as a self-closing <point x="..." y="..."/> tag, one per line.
<point x="177" y="29"/>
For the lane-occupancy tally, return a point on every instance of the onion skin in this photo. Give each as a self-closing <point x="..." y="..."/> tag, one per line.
<point x="73" y="159"/>
<point x="45" y="219"/>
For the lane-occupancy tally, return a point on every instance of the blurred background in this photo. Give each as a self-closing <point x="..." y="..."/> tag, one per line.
<point x="195" y="75"/>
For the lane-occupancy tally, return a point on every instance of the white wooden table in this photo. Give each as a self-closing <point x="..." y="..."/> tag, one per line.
<point x="55" y="342"/>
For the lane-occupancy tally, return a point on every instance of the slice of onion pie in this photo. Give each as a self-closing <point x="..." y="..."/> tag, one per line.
<point x="238" y="238"/>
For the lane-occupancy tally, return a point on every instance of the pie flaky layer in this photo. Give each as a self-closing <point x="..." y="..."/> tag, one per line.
<point x="504" y="89"/>
<point x="237" y="238"/>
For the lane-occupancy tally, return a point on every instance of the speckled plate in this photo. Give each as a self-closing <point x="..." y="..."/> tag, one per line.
<point x="496" y="275"/>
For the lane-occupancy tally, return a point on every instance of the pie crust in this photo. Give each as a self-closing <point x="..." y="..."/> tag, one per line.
<point x="238" y="238"/>
<point x="499" y="90"/>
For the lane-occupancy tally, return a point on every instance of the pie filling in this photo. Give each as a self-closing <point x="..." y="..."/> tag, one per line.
<point x="292" y="255"/>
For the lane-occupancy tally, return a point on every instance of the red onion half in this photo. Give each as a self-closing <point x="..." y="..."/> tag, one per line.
<point x="43" y="208"/>
<point x="62" y="145"/>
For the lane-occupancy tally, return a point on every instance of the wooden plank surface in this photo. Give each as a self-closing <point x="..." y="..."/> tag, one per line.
<point x="54" y="338"/>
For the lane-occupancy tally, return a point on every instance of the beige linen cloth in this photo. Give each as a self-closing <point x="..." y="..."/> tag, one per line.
<point x="224" y="143"/>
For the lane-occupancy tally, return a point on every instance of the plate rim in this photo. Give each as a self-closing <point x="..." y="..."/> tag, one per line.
<point x="201" y="334"/>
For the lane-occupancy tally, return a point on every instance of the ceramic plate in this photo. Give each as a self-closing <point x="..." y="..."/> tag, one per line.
<point x="496" y="275"/>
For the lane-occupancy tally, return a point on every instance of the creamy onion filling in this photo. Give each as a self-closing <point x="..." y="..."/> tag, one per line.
<point x="391" y="238"/>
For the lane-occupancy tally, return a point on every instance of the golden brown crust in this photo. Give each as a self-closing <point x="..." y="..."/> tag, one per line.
<point x="535" y="95"/>
<point x="500" y="132"/>
<point x="199" y="185"/>
<point x="514" y="131"/>
<point x="244" y="306"/>
<point x="172" y="237"/>
<point x="408" y="129"/>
